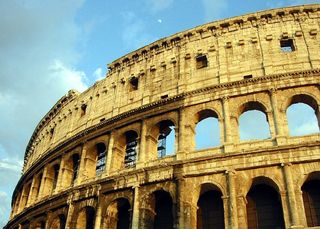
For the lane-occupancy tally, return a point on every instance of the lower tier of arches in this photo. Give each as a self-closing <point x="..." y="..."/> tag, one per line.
<point x="268" y="195"/>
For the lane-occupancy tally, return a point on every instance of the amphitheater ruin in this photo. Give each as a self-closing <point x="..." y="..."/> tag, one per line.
<point x="99" y="159"/>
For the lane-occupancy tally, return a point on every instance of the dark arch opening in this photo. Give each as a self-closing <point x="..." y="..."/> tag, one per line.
<point x="131" y="148"/>
<point x="90" y="216"/>
<point x="166" y="138"/>
<point x="264" y="208"/>
<point x="163" y="210"/>
<point x="311" y="201"/>
<point x="101" y="158"/>
<point x="62" y="219"/>
<point x="210" y="212"/>
<point x="56" y="168"/>
<point x="123" y="214"/>
<point x="75" y="166"/>
<point x="207" y="129"/>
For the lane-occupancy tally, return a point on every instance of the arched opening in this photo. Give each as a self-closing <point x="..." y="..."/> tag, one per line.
<point x="207" y="130"/>
<point x="163" y="210"/>
<point x="63" y="220"/>
<point x="264" y="208"/>
<point x="86" y="218"/>
<point x="56" y="168"/>
<point x="75" y="167"/>
<point x="166" y="138"/>
<point x="101" y="158"/>
<point x="118" y="215"/>
<point x="38" y="185"/>
<point x="59" y="222"/>
<point x="40" y="225"/>
<point x="311" y="200"/>
<point x="131" y="148"/>
<point x="25" y="195"/>
<point x="303" y="115"/>
<point x="210" y="213"/>
<point x="253" y="122"/>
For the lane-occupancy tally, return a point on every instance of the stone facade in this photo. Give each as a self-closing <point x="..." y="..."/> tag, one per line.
<point x="92" y="161"/>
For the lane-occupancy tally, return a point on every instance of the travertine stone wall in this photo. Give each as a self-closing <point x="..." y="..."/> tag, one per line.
<point x="246" y="69"/>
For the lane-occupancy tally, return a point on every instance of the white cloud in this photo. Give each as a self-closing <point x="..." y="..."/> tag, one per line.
<point x="98" y="75"/>
<point x="214" y="10"/>
<point x="158" y="5"/>
<point x="38" y="52"/>
<point x="68" y="76"/>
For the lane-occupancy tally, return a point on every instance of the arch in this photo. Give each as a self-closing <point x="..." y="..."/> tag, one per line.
<point x="307" y="123"/>
<point x="71" y="170"/>
<point x="86" y="218"/>
<point x="207" y="124"/>
<point x="166" y="138"/>
<point x="131" y="138"/>
<point x="311" y="199"/>
<point x="157" y="209"/>
<point x="264" y="208"/>
<point x="117" y="214"/>
<point x="253" y="121"/>
<point x="58" y="222"/>
<point x="163" y="208"/>
<point x="101" y="157"/>
<point x="210" y="212"/>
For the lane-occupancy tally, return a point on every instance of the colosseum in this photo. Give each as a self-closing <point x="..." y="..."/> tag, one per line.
<point x="100" y="159"/>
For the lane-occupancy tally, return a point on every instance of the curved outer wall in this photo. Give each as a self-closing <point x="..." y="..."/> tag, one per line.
<point x="228" y="67"/>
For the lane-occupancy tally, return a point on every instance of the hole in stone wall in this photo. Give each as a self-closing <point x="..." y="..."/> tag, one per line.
<point x="287" y="45"/>
<point x="201" y="61"/>
<point x="134" y="83"/>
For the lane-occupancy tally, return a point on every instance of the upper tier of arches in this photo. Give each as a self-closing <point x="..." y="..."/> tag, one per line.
<point x="232" y="57"/>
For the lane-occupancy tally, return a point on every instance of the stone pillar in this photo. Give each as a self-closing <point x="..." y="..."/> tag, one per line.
<point x="60" y="176"/>
<point x="31" y="198"/>
<point x="232" y="205"/>
<point x="42" y="187"/>
<point x="142" y="157"/>
<point x="82" y="173"/>
<point x="184" y="134"/>
<point x="227" y="135"/>
<point x="242" y="210"/>
<point x="279" y="132"/>
<point x="70" y="213"/>
<point x="290" y="194"/>
<point x="109" y="155"/>
<point x="46" y="183"/>
<point x="136" y="207"/>
<point x="97" y="223"/>
<point x="186" y="211"/>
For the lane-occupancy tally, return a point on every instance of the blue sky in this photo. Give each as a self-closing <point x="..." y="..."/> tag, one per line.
<point x="50" y="46"/>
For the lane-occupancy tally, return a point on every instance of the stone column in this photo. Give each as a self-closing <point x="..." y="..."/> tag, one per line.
<point x="97" y="223"/>
<point x="109" y="153"/>
<point x="70" y="213"/>
<point x="279" y="132"/>
<point x="82" y="173"/>
<point x="60" y="176"/>
<point x="185" y="143"/>
<point x="228" y="135"/>
<point x="31" y="198"/>
<point x="186" y="211"/>
<point x="292" y="206"/>
<point x="232" y="205"/>
<point x="42" y="187"/>
<point x="242" y="210"/>
<point x="142" y="152"/>
<point x="136" y="207"/>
